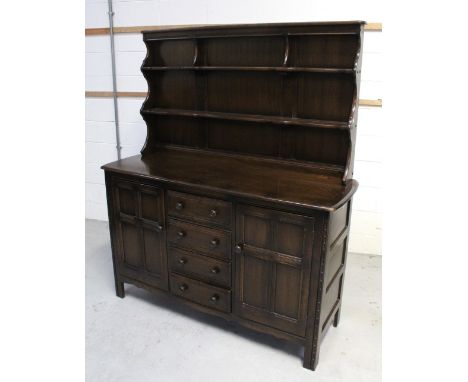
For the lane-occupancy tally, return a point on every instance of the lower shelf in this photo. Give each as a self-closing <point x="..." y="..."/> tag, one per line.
<point x="326" y="124"/>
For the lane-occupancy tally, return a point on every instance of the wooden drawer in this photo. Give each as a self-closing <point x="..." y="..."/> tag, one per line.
<point x="201" y="293"/>
<point x="200" y="209"/>
<point x="206" y="268"/>
<point x="214" y="242"/>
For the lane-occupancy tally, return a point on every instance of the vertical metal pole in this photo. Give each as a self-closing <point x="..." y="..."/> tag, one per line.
<point x="114" y="78"/>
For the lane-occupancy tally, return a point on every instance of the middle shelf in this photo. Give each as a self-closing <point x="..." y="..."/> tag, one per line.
<point x="249" y="118"/>
<point x="281" y="69"/>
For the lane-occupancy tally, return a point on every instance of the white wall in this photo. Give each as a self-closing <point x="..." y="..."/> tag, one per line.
<point x="130" y="51"/>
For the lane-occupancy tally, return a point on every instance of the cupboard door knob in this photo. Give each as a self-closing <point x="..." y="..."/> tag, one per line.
<point x="214" y="270"/>
<point x="214" y="298"/>
<point x="238" y="248"/>
<point x="179" y="206"/>
<point x="181" y="234"/>
<point x="182" y="261"/>
<point x="183" y="287"/>
<point x="213" y="213"/>
<point x="159" y="227"/>
<point x="214" y="242"/>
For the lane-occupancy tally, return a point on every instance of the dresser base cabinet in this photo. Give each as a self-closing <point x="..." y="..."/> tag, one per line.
<point x="239" y="204"/>
<point x="282" y="272"/>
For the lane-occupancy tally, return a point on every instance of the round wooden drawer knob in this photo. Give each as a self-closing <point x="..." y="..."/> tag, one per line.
<point x="181" y="234"/>
<point x="183" y="287"/>
<point x="213" y="213"/>
<point x="159" y="227"/>
<point x="182" y="261"/>
<point x="238" y="248"/>
<point x="214" y="270"/>
<point x="214" y="242"/>
<point x="214" y="298"/>
<point x="179" y="206"/>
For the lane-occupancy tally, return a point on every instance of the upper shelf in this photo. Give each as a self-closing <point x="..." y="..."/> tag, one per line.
<point x="271" y="29"/>
<point x="250" y="118"/>
<point x="282" y="69"/>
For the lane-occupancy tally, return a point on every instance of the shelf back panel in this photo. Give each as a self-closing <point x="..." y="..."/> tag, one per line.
<point x="266" y="139"/>
<point x="300" y="95"/>
<point x="243" y="51"/>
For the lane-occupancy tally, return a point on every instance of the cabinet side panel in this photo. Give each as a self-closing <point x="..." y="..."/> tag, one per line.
<point x="335" y="262"/>
<point x="338" y="223"/>
<point x="112" y="210"/>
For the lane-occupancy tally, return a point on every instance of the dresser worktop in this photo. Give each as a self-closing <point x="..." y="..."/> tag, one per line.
<point x="241" y="176"/>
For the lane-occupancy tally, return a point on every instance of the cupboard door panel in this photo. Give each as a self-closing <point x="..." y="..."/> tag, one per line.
<point x="140" y="217"/>
<point x="126" y="199"/>
<point x="255" y="275"/>
<point x="131" y="245"/>
<point x="256" y="231"/>
<point x="150" y="206"/>
<point x="288" y="290"/>
<point x="153" y="242"/>
<point x="273" y="256"/>
<point x="291" y="240"/>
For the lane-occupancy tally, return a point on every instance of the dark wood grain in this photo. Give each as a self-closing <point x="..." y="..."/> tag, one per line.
<point x="201" y="293"/>
<point x="318" y="188"/>
<point x="212" y="241"/>
<point x="140" y="231"/>
<point x="283" y="69"/>
<point x="240" y="203"/>
<point x="273" y="266"/>
<point x="200" y="266"/>
<point x="326" y="124"/>
<point x="199" y="209"/>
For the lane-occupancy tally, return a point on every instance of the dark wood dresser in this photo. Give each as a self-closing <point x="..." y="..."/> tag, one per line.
<point x="239" y="204"/>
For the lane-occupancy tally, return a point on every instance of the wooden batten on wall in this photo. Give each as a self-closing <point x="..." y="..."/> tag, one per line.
<point x="107" y="94"/>
<point x="370" y="27"/>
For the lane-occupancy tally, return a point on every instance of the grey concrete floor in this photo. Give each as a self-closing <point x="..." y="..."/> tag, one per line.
<point x="152" y="338"/>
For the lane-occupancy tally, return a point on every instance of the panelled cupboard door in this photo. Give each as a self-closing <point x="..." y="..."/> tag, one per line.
<point x="273" y="258"/>
<point x="140" y="217"/>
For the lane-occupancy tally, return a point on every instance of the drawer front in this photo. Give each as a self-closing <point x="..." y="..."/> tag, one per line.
<point x="201" y="293"/>
<point x="214" y="242"/>
<point x="206" y="268"/>
<point x="197" y="208"/>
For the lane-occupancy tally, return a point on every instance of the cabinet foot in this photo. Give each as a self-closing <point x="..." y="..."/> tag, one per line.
<point x="119" y="289"/>
<point x="311" y="356"/>
<point x="336" y="319"/>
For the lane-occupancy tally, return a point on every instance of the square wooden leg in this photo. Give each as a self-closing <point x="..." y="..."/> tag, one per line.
<point x="311" y="356"/>
<point x="119" y="289"/>
<point x="336" y="319"/>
